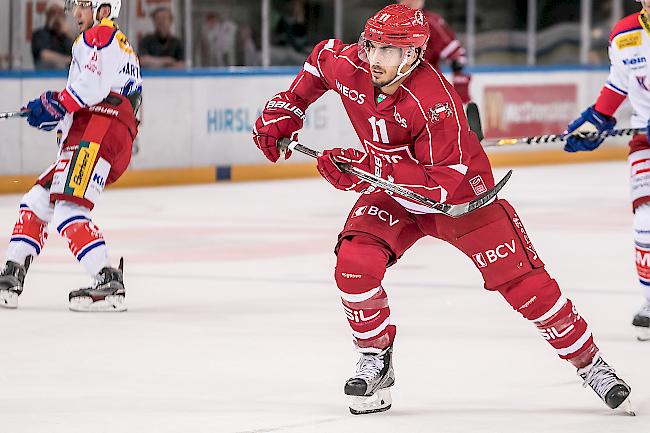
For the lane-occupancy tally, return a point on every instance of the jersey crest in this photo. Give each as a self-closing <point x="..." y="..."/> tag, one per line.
<point x="440" y="111"/>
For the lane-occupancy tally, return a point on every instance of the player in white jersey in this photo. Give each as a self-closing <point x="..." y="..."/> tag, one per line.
<point x="95" y="119"/>
<point x="629" y="52"/>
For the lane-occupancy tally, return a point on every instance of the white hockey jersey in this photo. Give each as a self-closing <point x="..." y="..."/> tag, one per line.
<point x="629" y="77"/>
<point x="103" y="61"/>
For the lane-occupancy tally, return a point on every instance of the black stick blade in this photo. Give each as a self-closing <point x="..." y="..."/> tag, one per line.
<point x="474" y="119"/>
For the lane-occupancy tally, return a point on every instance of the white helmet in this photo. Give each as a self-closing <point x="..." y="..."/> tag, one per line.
<point x="115" y="5"/>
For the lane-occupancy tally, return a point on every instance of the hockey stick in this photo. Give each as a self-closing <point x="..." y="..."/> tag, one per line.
<point x="473" y="117"/>
<point x="452" y="210"/>
<point x="13" y="114"/>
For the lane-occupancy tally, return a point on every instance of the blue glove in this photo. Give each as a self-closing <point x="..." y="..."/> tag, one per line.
<point x="46" y="111"/>
<point x="589" y="121"/>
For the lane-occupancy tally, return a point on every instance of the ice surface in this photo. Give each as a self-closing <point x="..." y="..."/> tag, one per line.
<point x="235" y="324"/>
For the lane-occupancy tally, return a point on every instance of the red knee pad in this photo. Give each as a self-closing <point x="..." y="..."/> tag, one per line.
<point x="361" y="264"/>
<point x="82" y="236"/>
<point x="360" y="267"/>
<point x="30" y="229"/>
<point x="533" y="295"/>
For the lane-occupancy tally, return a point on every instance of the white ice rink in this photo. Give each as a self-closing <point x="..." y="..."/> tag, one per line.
<point x="235" y="323"/>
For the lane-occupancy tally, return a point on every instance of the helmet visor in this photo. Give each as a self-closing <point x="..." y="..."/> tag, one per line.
<point x="377" y="54"/>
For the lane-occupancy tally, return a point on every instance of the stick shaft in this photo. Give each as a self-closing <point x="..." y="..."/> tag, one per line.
<point x="452" y="210"/>
<point x="13" y="114"/>
<point x="553" y="138"/>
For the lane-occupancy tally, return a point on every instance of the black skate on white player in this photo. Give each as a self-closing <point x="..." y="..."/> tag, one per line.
<point x="106" y="295"/>
<point x="369" y="388"/>
<point x="602" y="378"/>
<point x="12" y="279"/>
<point x="641" y="322"/>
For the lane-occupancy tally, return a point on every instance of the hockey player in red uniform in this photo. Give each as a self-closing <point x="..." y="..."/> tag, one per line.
<point x="443" y="46"/>
<point x="95" y="119"/>
<point x="413" y="131"/>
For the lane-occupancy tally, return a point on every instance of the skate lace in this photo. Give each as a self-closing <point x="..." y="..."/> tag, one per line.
<point x="600" y="378"/>
<point x="369" y="366"/>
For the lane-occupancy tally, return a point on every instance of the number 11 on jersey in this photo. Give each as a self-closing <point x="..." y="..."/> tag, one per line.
<point x="379" y="130"/>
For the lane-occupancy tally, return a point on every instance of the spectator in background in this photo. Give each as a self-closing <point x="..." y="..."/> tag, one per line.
<point x="52" y="45"/>
<point x="161" y="49"/>
<point x="291" y="28"/>
<point x="217" y="41"/>
<point x="443" y="46"/>
<point x="290" y="36"/>
<point x="246" y="51"/>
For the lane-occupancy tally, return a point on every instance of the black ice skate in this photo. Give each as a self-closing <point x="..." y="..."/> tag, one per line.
<point x="641" y="323"/>
<point x="602" y="378"/>
<point x="12" y="279"/>
<point x="369" y="388"/>
<point x="106" y="295"/>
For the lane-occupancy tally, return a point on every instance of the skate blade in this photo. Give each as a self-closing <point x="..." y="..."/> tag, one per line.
<point x="626" y="406"/>
<point x="109" y="304"/>
<point x="8" y="299"/>
<point x="642" y="333"/>
<point x="378" y="402"/>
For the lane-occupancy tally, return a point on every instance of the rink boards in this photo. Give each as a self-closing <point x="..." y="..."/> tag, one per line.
<point x="196" y="125"/>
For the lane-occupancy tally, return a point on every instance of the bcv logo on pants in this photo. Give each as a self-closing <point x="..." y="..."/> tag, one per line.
<point x="483" y="259"/>
<point x="375" y="211"/>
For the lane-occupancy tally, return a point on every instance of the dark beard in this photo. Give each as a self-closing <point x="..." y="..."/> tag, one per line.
<point x="381" y="84"/>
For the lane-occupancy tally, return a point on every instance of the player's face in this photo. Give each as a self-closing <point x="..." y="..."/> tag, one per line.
<point x="384" y="62"/>
<point x="82" y="12"/>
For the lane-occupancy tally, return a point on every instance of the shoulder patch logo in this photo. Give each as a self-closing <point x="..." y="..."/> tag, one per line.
<point x="440" y="111"/>
<point x="629" y="40"/>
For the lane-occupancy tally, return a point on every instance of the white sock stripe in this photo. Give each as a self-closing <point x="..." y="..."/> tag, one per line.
<point x="575" y="346"/>
<point x="374" y="332"/>
<point x="554" y="309"/>
<point x="361" y="296"/>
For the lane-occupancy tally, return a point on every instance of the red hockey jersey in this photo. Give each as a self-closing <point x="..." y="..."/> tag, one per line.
<point x="421" y="129"/>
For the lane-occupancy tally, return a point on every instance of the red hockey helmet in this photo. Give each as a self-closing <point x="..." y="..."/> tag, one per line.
<point x="399" y="26"/>
<point x="393" y="36"/>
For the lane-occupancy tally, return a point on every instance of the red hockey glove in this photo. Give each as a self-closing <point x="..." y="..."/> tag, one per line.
<point x="461" y="84"/>
<point x="282" y="117"/>
<point x="346" y="181"/>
